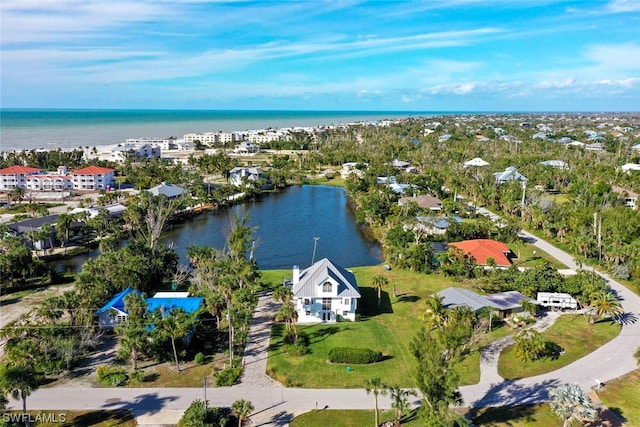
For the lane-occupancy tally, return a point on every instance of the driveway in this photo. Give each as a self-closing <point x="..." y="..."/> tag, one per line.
<point x="276" y="405"/>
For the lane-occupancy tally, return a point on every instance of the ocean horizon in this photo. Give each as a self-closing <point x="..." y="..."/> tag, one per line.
<point x="33" y="128"/>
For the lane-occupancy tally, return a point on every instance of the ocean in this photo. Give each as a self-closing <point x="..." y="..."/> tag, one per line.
<point x="26" y="129"/>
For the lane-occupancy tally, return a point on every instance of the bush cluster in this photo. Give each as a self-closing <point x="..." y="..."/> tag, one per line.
<point x="228" y="377"/>
<point x="111" y="377"/>
<point x="353" y="355"/>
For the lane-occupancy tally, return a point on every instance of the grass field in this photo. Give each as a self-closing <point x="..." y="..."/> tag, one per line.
<point x="571" y="332"/>
<point x="517" y="416"/>
<point x="622" y="396"/>
<point x="389" y="328"/>
<point x="349" y="418"/>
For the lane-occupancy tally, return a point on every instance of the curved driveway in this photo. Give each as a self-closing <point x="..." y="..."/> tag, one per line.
<point x="276" y="405"/>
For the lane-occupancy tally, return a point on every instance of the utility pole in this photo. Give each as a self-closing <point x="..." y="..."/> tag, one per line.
<point x="315" y="244"/>
<point x="205" y="394"/>
<point x="600" y="239"/>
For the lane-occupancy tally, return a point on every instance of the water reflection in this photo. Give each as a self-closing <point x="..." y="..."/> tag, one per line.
<point x="285" y="227"/>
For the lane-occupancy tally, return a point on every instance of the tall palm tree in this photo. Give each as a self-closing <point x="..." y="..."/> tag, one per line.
<point x="20" y="382"/>
<point x="379" y="282"/>
<point x="605" y="303"/>
<point x="176" y="325"/>
<point x="377" y="388"/>
<point x="399" y="402"/>
<point x="569" y="401"/>
<point x="242" y="408"/>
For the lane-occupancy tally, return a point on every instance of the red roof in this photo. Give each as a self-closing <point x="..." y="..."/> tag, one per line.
<point x="93" y="170"/>
<point x="481" y="249"/>
<point x="15" y="170"/>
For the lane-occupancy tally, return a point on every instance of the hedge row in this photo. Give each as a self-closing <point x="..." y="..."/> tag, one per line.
<point x="358" y="356"/>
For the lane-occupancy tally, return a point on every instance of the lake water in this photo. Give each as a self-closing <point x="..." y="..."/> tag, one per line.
<point x="287" y="224"/>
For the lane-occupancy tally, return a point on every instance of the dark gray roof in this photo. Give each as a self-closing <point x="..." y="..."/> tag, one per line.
<point x="508" y="300"/>
<point x="33" y="223"/>
<point x="318" y="273"/>
<point x="454" y="297"/>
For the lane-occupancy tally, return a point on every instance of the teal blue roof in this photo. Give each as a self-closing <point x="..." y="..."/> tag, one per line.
<point x="189" y="304"/>
<point x="117" y="302"/>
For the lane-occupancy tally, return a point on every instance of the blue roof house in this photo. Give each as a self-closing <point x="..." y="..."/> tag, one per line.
<point x="114" y="312"/>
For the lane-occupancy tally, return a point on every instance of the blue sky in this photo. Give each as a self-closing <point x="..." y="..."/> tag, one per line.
<point x="436" y="55"/>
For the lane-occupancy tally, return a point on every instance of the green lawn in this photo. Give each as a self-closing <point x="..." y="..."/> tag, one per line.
<point x="622" y="396"/>
<point x="346" y="418"/>
<point x="531" y="256"/>
<point x="573" y="333"/>
<point x="517" y="416"/>
<point x="389" y="329"/>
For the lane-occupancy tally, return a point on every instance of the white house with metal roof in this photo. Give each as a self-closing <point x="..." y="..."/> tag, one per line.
<point x="325" y="292"/>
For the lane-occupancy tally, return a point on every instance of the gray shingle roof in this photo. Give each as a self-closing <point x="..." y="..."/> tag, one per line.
<point x="169" y="190"/>
<point x="454" y="297"/>
<point x="318" y="273"/>
<point x="508" y="300"/>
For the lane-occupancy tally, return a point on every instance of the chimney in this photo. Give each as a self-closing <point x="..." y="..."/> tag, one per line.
<point x="296" y="274"/>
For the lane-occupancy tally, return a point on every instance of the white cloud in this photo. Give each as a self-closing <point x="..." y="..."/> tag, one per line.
<point x="622" y="6"/>
<point x="566" y="83"/>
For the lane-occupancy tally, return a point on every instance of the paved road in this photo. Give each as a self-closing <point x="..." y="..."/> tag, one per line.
<point x="276" y="405"/>
<point x="610" y="361"/>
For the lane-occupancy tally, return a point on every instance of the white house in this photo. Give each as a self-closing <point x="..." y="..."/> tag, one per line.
<point x="93" y="178"/>
<point x="509" y="174"/>
<point x="240" y="176"/>
<point x="325" y="291"/>
<point x="557" y="300"/>
<point x="476" y="162"/>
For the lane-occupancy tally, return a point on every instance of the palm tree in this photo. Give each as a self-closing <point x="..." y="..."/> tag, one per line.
<point x="605" y="303"/>
<point x="242" y="408"/>
<point x="20" y="382"/>
<point x="17" y="194"/>
<point x="374" y="386"/>
<point x="529" y="345"/>
<point x="569" y="401"/>
<point x="176" y="325"/>
<point x="399" y="402"/>
<point x="435" y="313"/>
<point x="379" y="282"/>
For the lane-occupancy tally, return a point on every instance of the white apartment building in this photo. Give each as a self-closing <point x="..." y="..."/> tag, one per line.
<point x="16" y="176"/>
<point x="93" y="178"/>
<point x="211" y="138"/>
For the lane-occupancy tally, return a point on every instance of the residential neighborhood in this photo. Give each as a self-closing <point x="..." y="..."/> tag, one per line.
<point x="454" y="246"/>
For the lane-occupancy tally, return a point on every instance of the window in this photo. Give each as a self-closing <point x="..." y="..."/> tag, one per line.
<point x="326" y="287"/>
<point x="346" y="301"/>
<point x="326" y="303"/>
<point x="120" y="318"/>
<point x="306" y="301"/>
<point x="307" y="313"/>
<point x="345" y="312"/>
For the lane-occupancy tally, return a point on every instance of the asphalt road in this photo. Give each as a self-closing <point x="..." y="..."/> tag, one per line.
<point x="276" y="405"/>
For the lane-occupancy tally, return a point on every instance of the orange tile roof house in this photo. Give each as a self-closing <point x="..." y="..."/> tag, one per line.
<point x="93" y="178"/>
<point x="481" y="249"/>
<point x="15" y="176"/>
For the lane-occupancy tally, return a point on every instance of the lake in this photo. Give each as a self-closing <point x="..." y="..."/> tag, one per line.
<point x="286" y="227"/>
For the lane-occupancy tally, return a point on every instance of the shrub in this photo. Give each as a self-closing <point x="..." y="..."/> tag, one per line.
<point x="111" y="377"/>
<point x="199" y="358"/>
<point x="296" y="349"/>
<point x="197" y="416"/>
<point x="137" y="376"/>
<point x="354" y="355"/>
<point x="228" y="377"/>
